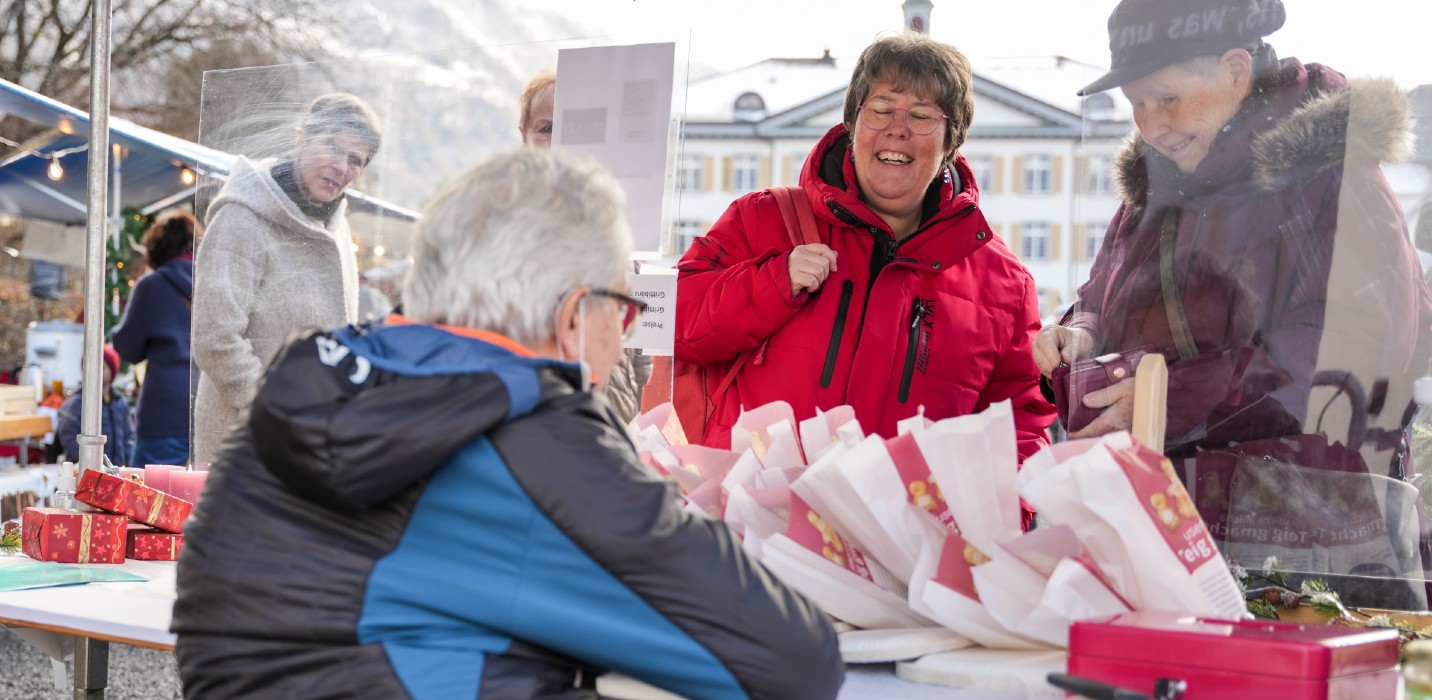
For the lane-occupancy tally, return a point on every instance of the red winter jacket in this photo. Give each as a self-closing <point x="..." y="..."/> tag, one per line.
<point x="951" y="317"/>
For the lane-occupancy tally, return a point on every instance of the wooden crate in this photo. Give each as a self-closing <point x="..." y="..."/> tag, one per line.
<point x="17" y="400"/>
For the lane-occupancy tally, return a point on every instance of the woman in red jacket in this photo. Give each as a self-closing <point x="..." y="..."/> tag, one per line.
<point x="908" y="303"/>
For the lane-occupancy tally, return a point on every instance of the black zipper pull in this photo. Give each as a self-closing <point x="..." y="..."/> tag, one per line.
<point x="917" y="313"/>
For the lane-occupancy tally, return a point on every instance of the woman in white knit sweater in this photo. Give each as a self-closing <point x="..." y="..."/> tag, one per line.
<point x="277" y="257"/>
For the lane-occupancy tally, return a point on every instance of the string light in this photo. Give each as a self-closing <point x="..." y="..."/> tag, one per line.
<point x="55" y="171"/>
<point x="186" y="176"/>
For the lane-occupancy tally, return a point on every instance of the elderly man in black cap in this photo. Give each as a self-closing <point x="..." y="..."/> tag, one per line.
<point x="1258" y="247"/>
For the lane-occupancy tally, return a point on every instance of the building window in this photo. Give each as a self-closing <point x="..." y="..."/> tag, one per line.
<point x="1034" y="241"/>
<point x="745" y="172"/>
<point x="1098" y="107"/>
<point x="1037" y="177"/>
<point x="1100" y="178"/>
<point x="691" y="176"/>
<point x="750" y="107"/>
<point x="983" y="166"/>
<point x="686" y="231"/>
<point x="1094" y="240"/>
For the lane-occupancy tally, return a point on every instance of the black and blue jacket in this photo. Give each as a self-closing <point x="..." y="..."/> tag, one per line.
<point x="418" y="512"/>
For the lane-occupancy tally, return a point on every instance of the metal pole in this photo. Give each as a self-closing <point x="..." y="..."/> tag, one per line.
<point x="91" y="668"/>
<point x="92" y="656"/>
<point x="91" y="440"/>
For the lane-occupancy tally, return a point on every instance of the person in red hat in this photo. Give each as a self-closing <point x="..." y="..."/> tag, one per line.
<point x="115" y="420"/>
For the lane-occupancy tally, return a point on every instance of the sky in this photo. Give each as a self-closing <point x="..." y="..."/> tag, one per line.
<point x="1367" y="37"/>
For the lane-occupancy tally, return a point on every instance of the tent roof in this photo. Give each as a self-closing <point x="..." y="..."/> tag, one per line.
<point x="150" y="167"/>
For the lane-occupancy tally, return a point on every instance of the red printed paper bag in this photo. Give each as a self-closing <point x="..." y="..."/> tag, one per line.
<point x="770" y="432"/>
<point x="828" y="428"/>
<point x="943" y="588"/>
<point x="812" y="557"/>
<point x="1038" y="583"/>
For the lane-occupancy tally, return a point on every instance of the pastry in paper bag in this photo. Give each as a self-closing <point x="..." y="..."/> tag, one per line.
<point x="854" y="492"/>
<point x="943" y="589"/>
<point x="1038" y="583"/>
<point x="816" y="560"/>
<point x="770" y="432"/>
<point x="1129" y="508"/>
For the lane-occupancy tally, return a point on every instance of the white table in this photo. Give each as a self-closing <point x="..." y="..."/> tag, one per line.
<point x="138" y="613"/>
<point x="39" y="480"/>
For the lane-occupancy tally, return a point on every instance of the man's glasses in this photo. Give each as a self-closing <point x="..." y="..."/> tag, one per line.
<point x="632" y="309"/>
<point x="920" y="120"/>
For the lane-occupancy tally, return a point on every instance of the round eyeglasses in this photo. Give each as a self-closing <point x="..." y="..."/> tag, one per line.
<point x="919" y="120"/>
<point x="632" y="309"/>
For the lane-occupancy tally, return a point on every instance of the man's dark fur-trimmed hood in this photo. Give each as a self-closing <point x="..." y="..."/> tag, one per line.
<point x="1371" y="120"/>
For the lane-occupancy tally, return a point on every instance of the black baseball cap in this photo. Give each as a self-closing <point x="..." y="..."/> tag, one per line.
<point x="1146" y="36"/>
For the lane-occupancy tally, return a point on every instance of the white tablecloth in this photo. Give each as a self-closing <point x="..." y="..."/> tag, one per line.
<point x="38" y="479"/>
<point x="141" y="611"/>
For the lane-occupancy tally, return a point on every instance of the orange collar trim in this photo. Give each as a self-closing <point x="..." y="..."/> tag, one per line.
<point x="486" y="336"/>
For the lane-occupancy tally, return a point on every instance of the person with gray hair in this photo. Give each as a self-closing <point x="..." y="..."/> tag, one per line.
<point x="277" y="257"/>
<point x="1259" y="248"/>
<point x="478" y="519"/>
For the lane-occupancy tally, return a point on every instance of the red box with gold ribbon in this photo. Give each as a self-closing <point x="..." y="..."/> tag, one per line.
<point x="147" y="544"/>
<point x="139" y="502"/>
<point x="72" y="537"/>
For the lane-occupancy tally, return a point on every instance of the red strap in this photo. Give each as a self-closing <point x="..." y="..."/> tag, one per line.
<point x="799" y="219"/>
<point x="797" y="215"/>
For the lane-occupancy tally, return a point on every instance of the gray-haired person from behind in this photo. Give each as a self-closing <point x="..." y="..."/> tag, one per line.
<point x="439" y="506"/>
<point x="277" y="257"/>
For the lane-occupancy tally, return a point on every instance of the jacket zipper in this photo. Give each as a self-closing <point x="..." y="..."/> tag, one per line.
<point x="847" y="290"/>
<point x="912" y="345"/>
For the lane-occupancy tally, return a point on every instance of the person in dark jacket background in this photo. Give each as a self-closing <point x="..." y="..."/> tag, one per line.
<point x="1260" y="248"/>
<point x="1287" y="245"/>
<point x="114" y="416"/>
<point x="440" y="507"/>
<point x="155" y="329"/>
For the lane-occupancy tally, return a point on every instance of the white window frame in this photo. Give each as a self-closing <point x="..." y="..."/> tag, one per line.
<point x="1100" y="178"/>
<point x="1034" y="241"/>
<point x="691" y="175"/>
<point x="1038" y="173"/>
<point x="1094" y="239"/>
<point x="982" y="165"/>
<point x="745" y="172"/>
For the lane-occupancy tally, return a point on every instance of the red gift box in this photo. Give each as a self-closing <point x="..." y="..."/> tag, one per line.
<point x="139" y="502"/>
<point x="148" y="544"/>
<point x="71" y="537"/>
<point x="1236" y="659"/>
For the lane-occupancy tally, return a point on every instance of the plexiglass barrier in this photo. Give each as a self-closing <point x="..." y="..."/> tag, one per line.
<point x="310" y="228"/>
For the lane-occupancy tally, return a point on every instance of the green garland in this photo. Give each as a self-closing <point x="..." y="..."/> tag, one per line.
<point x="117" y="255"/>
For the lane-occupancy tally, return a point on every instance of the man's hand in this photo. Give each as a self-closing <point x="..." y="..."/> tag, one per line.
<point x="810" y="265"/>
<point x="1056" y="344"/>
<point x="1118" y="404"/>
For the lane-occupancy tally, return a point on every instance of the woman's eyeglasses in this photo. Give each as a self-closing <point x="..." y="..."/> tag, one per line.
<point x="920" y="120"/>
<point x="632" y="309"/>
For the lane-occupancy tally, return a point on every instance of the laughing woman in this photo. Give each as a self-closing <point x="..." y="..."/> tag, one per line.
<point x="908" y="302"/>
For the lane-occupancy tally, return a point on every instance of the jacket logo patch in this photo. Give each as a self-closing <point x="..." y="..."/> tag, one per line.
<point x="927" y="330"/>
<point x="331" y="352"/>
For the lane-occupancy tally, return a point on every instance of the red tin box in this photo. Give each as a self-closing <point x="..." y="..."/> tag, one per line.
<point x="1236" y="660"/>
